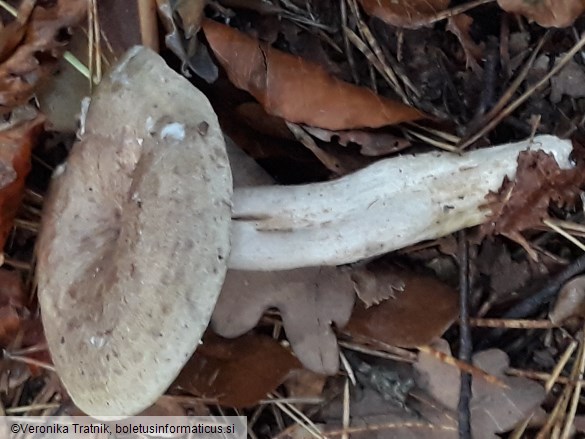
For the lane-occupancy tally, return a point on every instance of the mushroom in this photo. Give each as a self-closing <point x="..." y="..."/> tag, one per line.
<point x="386" y="206"/>
<point x="135" y="237"/>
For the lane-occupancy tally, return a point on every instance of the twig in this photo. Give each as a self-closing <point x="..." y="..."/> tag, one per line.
<point x="346" y="45"/>
<point x="293" y="400"/>
<point x="577" y="391"/>
<point x="346" y="408"/>
<point x="399" y="354"/>
<point x="551" y="379"/>
<point x="148" y="23"/>
<point x="466" y="346"/>
<point x="347" y="367"/>
<point x="500" y="106"/>
<point x="531" y="304"/>
<point x="388" y="72"/>
<point x="556" y="227"/>
<point x="511" y="323"/>
<point x="29" y="361"/>
<point x="391" y="426"/>
<point x="448" y="13"/>
<point x="28" y="408"/>
<point x="464" y="367"/>
<point x="430" y="141"/>
<point x="563" y="401"/>
<point x="300" y="418"/>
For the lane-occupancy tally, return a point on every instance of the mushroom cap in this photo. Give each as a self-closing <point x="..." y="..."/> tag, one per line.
<point x="135" y="238"/>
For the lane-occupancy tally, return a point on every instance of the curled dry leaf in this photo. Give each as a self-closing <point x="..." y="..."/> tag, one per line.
<point x="239" y="372"/>
<point x="372" y="144"/>
<point x="404" y="13"/>
<point x="182" y="19"/>
<point x="298" y="90"/>
<point x="570" y="301"/>
<point x="12" y="34"/>
<point x="547" y="13"/>
<point x="309" y="300"/>
<point x="413" y="317"/>
<point x="523" y="203"/>
<point x="493" y="409"/>
<point x="460" y="26"/>
<point x="16" y="145"/>
<point x="38" y="54"/>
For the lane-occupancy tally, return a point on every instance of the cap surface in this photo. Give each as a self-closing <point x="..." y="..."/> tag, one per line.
<point x="135" y="238"/>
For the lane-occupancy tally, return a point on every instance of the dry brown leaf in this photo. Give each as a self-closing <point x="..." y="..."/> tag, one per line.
<point x="12" y="34"/>
<point x="404" y="13"/>
<point x="414" y="317"/>
<point x="547" y="13"/>
<point x="38" y="54"/>
<point x="523" y="203"/>
<point x="15" y="153"/>
<point x="372" y="144"/>
<point x="298" y="90"/>
<point x="309" y="300"/>
<point x="570" y="301"/>
<point x="460" y="26"/>
<point x="493" y="409"/>
<point x="180" y="36"/>
<point x="237" y="372"/>
<point x="303" y="383"/>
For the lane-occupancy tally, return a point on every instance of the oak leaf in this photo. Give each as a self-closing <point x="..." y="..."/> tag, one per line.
<point x="309" y="299"/>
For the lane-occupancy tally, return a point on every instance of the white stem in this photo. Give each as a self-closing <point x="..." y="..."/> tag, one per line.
<point x="387" y="206"/>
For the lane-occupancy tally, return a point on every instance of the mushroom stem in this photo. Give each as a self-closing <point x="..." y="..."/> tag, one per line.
<point x="387" y="206"/>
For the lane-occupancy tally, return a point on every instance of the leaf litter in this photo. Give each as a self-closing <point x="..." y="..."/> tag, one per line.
<point x="38" y="53"/>
<point x="515" y="220"/>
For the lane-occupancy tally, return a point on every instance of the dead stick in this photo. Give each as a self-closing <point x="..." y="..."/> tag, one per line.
<point x="531" y="304"/>
<point x="466" y="347"/>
